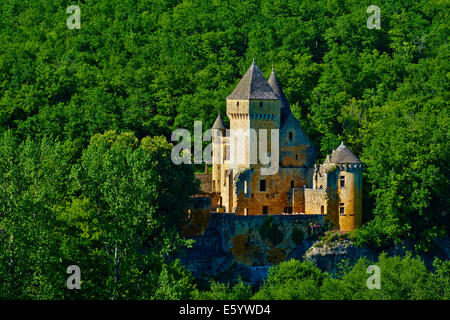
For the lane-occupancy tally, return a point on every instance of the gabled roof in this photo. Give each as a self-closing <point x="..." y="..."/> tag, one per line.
<point x="342" y="154"/>
<point x="253" y="85"/>
<point x="276" y="87"/>
<point x="218" y="124"/>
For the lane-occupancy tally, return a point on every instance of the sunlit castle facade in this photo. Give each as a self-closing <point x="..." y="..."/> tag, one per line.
<point x="241" y="185"/>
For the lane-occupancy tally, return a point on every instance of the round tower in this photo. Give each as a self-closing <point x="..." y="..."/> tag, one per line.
<point x="349" y="188"/>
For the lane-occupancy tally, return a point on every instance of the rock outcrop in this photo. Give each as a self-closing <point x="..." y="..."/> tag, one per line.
<point x="233" y="247"/>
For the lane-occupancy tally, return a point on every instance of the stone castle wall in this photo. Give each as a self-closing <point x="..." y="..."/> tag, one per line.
<point x="278" y="195"/>
<point x="230" y="242"/>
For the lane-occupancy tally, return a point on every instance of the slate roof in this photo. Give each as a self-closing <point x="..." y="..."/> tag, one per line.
<point x="253" y="85"/>
<point x="342" y="154"/>
<point x="276" y="87"/>
<point x="218" y="124"/>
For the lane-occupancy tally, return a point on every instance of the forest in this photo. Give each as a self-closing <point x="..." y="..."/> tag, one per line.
<point x="86" y="117"/>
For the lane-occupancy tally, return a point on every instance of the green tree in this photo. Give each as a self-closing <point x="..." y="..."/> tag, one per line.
<point x="135" y="196"/>
<point x="33" y="181"/>
<point x="292" y="280"/>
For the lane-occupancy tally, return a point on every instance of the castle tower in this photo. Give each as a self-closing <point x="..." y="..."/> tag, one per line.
<point x="276" y="87"/>
<point x="253" y="105"/>
<point x="238" y="179"/>
<point x="348" y="187"/>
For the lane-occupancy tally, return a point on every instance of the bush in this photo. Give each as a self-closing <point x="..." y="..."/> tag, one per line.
<point x="308" y="289"/>
<point x="293" y="270"/>
<point x="221" y="291"/>
<point x="400" y="278"/>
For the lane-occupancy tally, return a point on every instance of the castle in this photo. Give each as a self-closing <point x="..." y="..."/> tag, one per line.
<point x="299" y="186"/>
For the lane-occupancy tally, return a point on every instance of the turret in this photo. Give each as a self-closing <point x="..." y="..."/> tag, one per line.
<point x="349" y="187"/>
<point x="285" y="110"/>
<point x="296" y="150"/>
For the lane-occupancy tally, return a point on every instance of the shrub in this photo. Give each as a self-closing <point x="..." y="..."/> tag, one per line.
<point x="293" y="270"/>
<point x="221" y="291"/>
<point x="307" y="289"/>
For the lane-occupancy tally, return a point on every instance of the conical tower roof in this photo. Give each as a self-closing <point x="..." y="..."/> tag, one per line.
<point x="342" y="154"/>
<point x="276" y="87"/>
<point x="218" y="124"/>
<point x="253" y="85"/>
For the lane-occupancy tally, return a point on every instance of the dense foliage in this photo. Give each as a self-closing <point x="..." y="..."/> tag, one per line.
<point x="71" y="189"/>
<point x="113" y="214"/>
<point x="400" y="279"/>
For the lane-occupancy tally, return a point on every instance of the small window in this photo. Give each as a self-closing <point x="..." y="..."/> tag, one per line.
<point x="260" y="103"/>
<point x="290" y="136"/>
<point x="296" y="157"/>
<point x="322" y="209"/>
<point x="246" y="187"/>
<point x="292" y="184"/>
<point x="253" y="195"/>
<point x="245" y="211"/>
<point x="227" y="153"/>
<point x="289" y="210"/>
<point x="265" y="210"/>
<point x="262" y="185"/>
<point x="341" y="209"/>
<point x="214" y="186"/>
<point x="237" y="103"/>
<point x="342" y="179"/>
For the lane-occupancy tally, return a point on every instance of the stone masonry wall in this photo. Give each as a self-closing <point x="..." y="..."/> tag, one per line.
<point x="235" y="244"/>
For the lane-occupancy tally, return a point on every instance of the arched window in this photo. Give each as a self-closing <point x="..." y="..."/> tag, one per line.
<point x="322" y="209"/>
